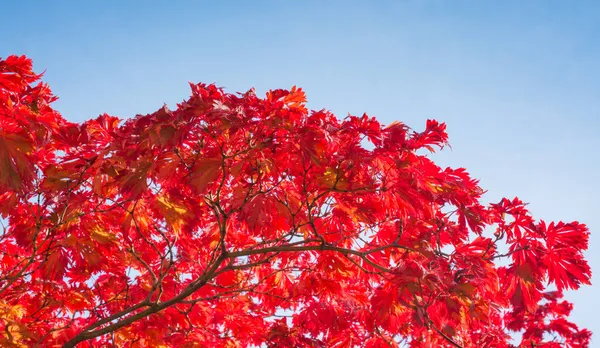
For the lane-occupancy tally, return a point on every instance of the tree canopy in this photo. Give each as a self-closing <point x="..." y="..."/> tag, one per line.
<point x="235" y="221"/>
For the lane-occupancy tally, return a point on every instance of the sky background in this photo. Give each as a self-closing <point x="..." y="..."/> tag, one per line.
<point x="517" y="82"/>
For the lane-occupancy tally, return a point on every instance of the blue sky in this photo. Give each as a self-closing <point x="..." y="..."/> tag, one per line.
<point x="518" y="83"/>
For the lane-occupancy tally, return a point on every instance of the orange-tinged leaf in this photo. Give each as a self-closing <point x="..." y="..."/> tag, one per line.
<point x="102" y="236"/>
<point x="333" y="179"/>
<point x="16" y="170"/>
<point x="166" y="165"/>
<point x="77" y="302"/>
<point x="173" y="211"/>
<point x="464" y="289"/>
<point x="205" y="172"/>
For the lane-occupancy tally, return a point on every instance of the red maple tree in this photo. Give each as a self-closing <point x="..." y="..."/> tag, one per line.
<point x="236" y="221"/>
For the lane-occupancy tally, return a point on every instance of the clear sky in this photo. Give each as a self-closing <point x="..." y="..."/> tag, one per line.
<point x="518" y="82"/>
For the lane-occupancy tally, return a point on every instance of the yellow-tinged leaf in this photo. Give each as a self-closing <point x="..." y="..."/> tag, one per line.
<point x="77" y="302"/>
<point x="355" y="213"/>
<point x="265" y="166"/>
<point x="139" y="210"/>
<point x="171" y="206"/>
<point x="15" y="332"/>
<point x="124" y="337"/>
<point x="173" y="211"/>
<point x="102" y="236"/>
<point x="282" y="279"/>
<point x="436" y="188"/>
<point x="11" y="312"/>
<point x="215" y="237"/>
<point x="72" y="216"/>
<point x="329" y="178"/>
<point x="145" y="282"/>
<point x="305" y="230"/>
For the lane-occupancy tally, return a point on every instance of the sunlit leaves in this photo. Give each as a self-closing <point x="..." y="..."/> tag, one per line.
<point x="174" y="211"/>
<point x="234" y="220"/>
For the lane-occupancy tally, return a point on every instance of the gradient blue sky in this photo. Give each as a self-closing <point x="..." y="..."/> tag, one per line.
<point x="518" y="82"/>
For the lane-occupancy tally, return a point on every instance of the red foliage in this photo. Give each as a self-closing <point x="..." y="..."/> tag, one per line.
<point x="236" y="221"/>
